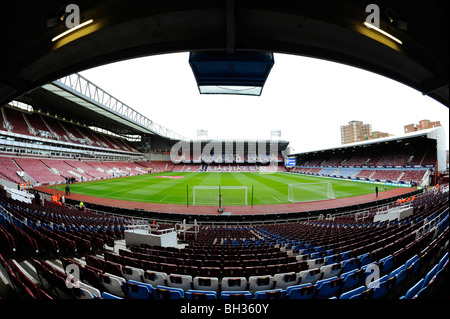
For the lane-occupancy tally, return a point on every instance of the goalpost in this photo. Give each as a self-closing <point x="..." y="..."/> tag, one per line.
<point x="310" y="192"/>
<point x="210" y="195"/>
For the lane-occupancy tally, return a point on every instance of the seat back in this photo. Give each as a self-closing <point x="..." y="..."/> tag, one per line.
<point x="206" y="283"/>
<point x="304" y="291"/>
<point x="414" y="289"/>
<point x="388" y="264"/>
<point x="180" y="281"/>
<point x="270" y="294"/>
<point x="164" y="292"/>
<point x="260" y="283"/>
<point x="316" y="263"/>
<point x="329" y="287"/>
<point x="382" y="286"/>
<point x="332" y="270"/>
<point x="155" y="278"/>
<point x="310" y="276"/>
<point x="200" y="294"/>
<point x="92" y="290"/>
<point x="354" y="293"/>
<point x="236" y="295"/>
<point x="113" y="284"/>
<point x="352" y="279"/>
<point x="350" y="264"/>
<point x="285" y="280"/>
<point x="107" y="295"/>
<point x="136" y="290"/>
<point x="132" y="273"/>
<point x="234" y="283"/>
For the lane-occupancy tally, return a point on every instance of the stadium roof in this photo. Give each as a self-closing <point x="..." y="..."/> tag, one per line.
<point x="437" y="134"/>
<point x="75" y="97"/>
<point x="425" y="133"/>
<point x="331" y="30"/>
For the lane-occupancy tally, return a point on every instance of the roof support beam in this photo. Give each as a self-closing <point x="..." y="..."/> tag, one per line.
<point x="231" y="27"/>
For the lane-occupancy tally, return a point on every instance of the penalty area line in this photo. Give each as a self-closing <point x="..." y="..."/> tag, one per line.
<point x="276" y="199"/>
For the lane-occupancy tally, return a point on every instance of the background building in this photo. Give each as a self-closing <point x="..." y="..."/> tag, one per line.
<point x="355" y="131"/>
<point x="423" y="125"/>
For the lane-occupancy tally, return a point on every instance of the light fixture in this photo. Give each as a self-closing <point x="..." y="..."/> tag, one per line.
<point x="371" y="26"/>
<point x="72" y="29"/>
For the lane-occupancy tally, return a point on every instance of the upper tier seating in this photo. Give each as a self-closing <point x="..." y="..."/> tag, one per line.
<point x="16" y="119"/>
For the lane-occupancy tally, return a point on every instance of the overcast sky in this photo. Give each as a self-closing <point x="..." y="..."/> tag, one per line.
<point x="307" y="99"/>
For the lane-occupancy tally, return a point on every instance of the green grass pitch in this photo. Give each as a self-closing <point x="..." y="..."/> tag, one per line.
<point x="177" y="187"/>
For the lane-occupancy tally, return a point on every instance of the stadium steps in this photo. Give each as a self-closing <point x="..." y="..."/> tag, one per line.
<point x="5" y="286"/>
<point x="28" y="270"/>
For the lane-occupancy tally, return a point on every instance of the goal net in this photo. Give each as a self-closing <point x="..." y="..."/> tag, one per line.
<point x="306" y="192"/>
<point x="209" y="195"/>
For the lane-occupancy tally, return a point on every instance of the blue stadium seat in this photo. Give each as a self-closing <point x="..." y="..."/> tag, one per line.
<point x="328" y="287"/>
<point x="382" y="286"/>
<point x="200" y="294"/>
<point x="332" y="259"/>
<point x="430" y="275"/>
<point x="236" y="295"/>
<point x="428" y="288"/>
<point x="413" y="269"/>
<point x="107" y="295"/>
<point x="354" y="293"/>
<point x="270" y="294"/>
<point x="347" y="255"/>
<point x="443" y="261"/>
<point x="138" y="290"/>
<point x="387" y="264"/>
<point x="350" y="264"/>
<point x="163" y="292"/>
<point x="365" y="259"/>
<point x="410" y="261"/>
<point x="305" y="291"/>
<point x="352" y="279"/>
<point x="400" y="274"/>
<point x="413" y="290"/>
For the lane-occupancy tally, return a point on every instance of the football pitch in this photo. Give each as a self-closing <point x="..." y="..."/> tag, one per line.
<point x="236" y="189"/>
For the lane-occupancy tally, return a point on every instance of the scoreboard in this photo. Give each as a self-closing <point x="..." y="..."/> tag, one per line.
<point x="291" y="162"/>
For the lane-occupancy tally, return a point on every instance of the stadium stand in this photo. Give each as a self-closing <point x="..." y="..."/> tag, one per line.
<point x="300" y="260"/>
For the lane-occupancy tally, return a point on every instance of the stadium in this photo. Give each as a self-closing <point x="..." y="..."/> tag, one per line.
<point x="97" y="201"/>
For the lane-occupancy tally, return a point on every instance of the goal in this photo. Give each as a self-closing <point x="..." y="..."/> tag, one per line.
<point x="306" y="192"/>
<point x="209" y="195"/>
